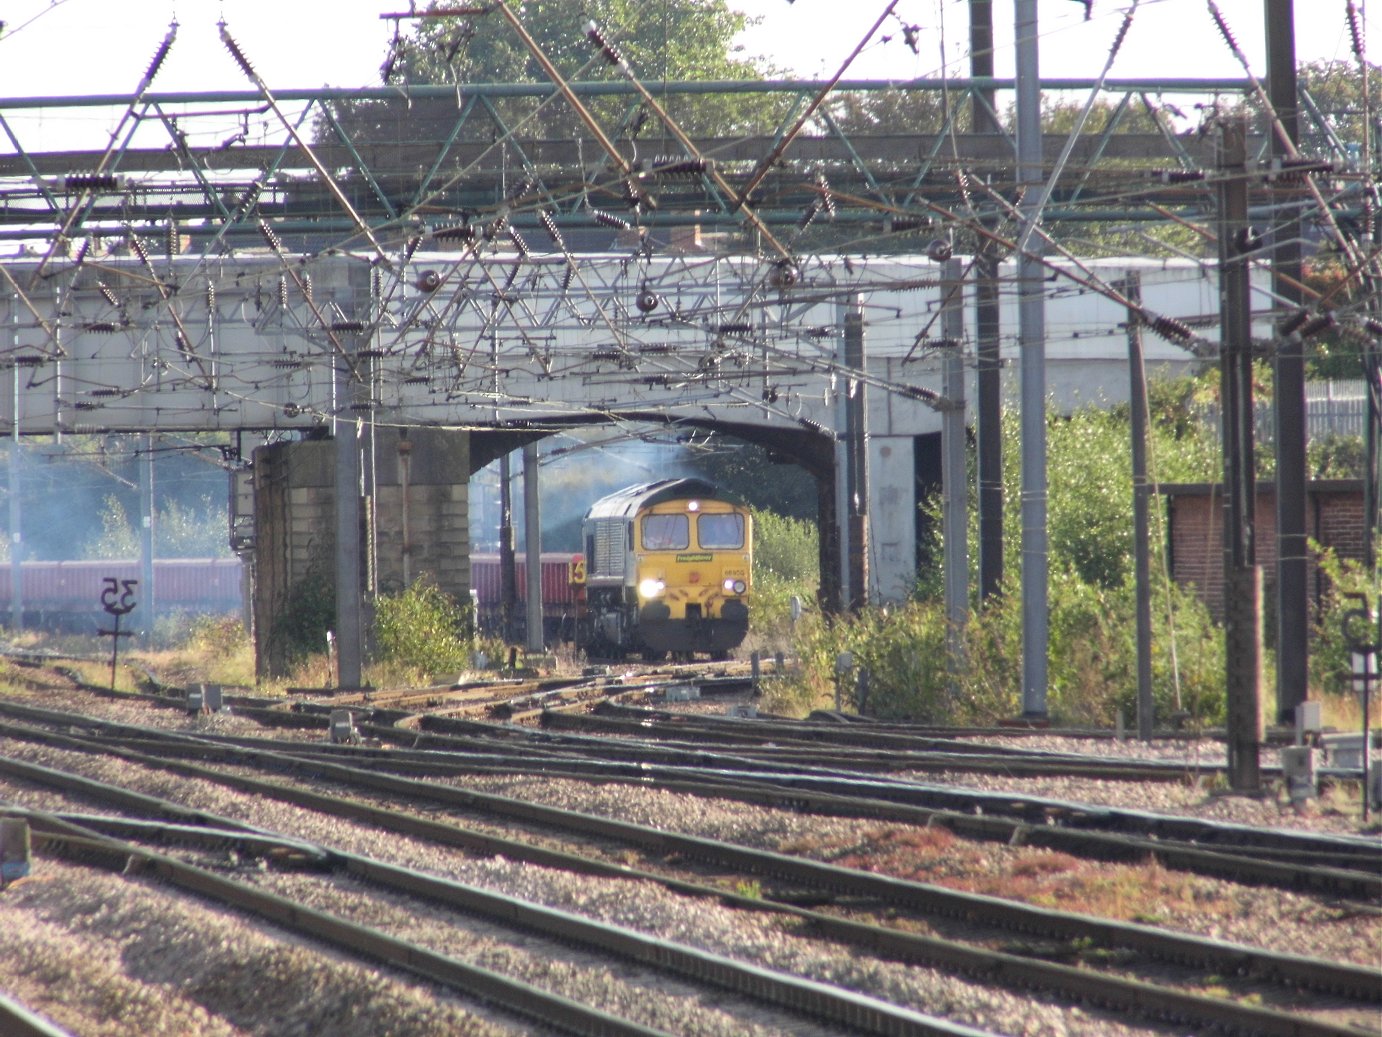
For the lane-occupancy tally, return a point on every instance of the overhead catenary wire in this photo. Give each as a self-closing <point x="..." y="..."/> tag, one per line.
<point x="74" y="212"/>
<point x="307" y="150"/>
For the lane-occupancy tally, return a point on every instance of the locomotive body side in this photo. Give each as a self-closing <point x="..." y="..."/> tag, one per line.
<point x="669" y="569"/>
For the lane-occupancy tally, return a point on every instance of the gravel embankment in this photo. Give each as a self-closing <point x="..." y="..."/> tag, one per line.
<point x="106" y="956"/>
<point x="94" y="939"/>
<point x="647" y="908"/>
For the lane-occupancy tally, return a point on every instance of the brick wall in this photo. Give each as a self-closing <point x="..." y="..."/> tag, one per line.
<point x="1195" y="513"/>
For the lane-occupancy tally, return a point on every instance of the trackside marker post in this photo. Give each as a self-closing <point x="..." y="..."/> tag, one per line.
<point x="117" y="598"/>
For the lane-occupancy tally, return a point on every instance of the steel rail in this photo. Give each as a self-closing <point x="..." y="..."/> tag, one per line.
<point x="1326" y="871"/>
<point x="1011" y="970"/>
<point x="882" y="750"/>
<point x="223" y="834"/>
<point x="18" y="1021"/>
<point x="852" y="729"/>
<point x="1269" y="966"/>
<point x="1331" y="865"/>
<point x="87" y="847"/>
<point x="910" y="753"/>
<point x="863" y="1014"/>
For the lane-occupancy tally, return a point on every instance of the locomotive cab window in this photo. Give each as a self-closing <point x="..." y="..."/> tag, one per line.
<point x="666" y="533"/>
<point x="723" y="532"/>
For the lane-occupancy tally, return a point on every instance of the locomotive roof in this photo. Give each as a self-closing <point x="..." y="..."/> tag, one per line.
<point x="626" y="502"/>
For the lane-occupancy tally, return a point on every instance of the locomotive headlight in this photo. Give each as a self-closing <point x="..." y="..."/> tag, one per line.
<point x="735" y="586"/>
<point x="650" y="588"/>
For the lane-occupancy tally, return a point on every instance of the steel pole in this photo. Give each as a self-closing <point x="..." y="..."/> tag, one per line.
<point x="532" y="543"/>
<point x="1292" y="549"/>
<point x="351" y="393"/>
<point x="147" y="521"/>
<point x="954" y="483"/>
<point x="988" y="425"/>
<point x="508" y="566"/>
<point x="1031" y="315"/>
<point x="1242" y="578"/>
<point x="16" y="474"/>
<point x="1141" y="491"/>
<point x="857" y="471"/>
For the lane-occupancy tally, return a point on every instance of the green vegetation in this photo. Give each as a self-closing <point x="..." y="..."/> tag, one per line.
<point x="1091" y="673"/>
<point x="786" y="564"/>
<point x="672" y="40"/>
<point x="1337" y="88"/>
<point x="759" y="477"/>
<point x="299" y="630"/>
<point x="180" y="531"/>
<point x="1091" y="600"/>
<point x="675" y="39"/>
<point x="423" y="632"/>
<point x="79" y="496"/>
<point x="1329" y="655"/>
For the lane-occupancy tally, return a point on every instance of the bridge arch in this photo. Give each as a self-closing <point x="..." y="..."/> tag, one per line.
<point x="812" y="451"/>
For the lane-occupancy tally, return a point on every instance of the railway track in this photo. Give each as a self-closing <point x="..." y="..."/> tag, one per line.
<point x="92" y="840"/>
<point x="833" y="886"/>
<point x="1325" y="864"/>
<point x="18" y="1021"/>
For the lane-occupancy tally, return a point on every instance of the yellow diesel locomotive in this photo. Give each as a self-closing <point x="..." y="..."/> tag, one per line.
<point x="668" y="569"/>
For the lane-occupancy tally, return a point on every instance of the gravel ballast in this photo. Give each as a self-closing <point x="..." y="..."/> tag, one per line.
<point x="200" y="985"/>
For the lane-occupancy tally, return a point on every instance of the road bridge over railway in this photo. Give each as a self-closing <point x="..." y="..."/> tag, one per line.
<point x="515" y="344"/>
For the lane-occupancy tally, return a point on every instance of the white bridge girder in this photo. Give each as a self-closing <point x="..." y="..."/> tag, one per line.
<point x="483" y="339"/>
<point x="252" y="341"/>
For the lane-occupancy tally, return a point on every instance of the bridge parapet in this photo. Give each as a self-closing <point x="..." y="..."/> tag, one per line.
<point x="465" y="339"/>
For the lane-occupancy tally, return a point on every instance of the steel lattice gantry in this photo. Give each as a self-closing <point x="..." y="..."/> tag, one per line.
<point x="328" y="167"/>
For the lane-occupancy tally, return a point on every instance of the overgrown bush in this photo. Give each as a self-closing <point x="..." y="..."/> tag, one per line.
<point x="786" y="564"/>
<point x="423" y="630"/>
<point x="218" y="648"/>
<point x="1330" y="655"/>
<point x="299" y="628"/>
<point x="1091" y="669"/>
<point x="1091" y="664"/>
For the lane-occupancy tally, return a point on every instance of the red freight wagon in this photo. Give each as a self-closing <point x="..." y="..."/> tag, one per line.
<point x="67" y="595"/>
<point x="559" y="595"/>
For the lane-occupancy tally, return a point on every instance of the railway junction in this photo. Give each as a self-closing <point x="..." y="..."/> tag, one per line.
<point x="480" y="855"/>
<point x="592" y="859"/>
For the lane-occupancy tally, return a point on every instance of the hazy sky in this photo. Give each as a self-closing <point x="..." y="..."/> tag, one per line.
<point x="85" y="47"/>
<point x="68" y="47"/>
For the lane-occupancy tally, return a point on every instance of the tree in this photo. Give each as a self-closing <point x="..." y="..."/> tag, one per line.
<point x="1337" y="89"/>
<point x="751" y="473"/>
<point x="670" y="40"/>
<point x="180" y="531"/>
<point x="673" y="39"/>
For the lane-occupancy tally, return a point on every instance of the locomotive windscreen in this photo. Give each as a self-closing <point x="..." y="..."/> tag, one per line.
<point x="720" y="532"/>
<point x="666" y="533"/>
